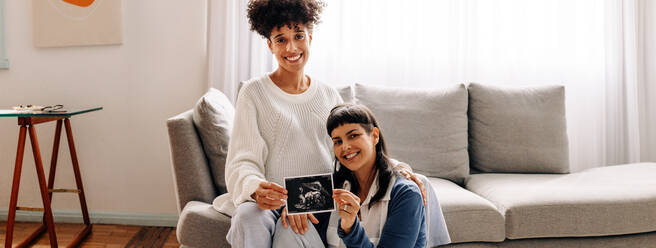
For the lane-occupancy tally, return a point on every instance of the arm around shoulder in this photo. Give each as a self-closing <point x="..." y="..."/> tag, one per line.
<point x="398" y="165"/>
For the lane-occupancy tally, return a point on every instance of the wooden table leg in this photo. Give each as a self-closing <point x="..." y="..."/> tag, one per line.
<point x="33" y="236"/>
<point x="14" y="187"/>
<point x="76" y="170"/>
<point x="27" y="126"/>
<point x="43" y="187"/>
<point x="78" y="180"/>
<point x="51" y="183"/>
<point x="53" y="160"/>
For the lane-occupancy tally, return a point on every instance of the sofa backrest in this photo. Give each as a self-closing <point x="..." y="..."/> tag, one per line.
<point x="447" y="132"/>
<point x="429" y="129"/>
<point x="425" y="128"/>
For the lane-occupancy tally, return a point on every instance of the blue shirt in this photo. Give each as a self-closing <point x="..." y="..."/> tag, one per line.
<point x="405" y="225"/>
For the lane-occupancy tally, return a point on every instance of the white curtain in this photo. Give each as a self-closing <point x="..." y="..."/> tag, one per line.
<point x="592" y="47"/>
<point x="626" y="116"/>
<point x="235" y="53"/>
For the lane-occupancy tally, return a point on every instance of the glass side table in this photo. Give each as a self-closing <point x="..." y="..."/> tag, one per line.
<point x="26" y="121"/>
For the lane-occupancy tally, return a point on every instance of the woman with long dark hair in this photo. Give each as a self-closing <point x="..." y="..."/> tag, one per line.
<point x="376" y="206"/>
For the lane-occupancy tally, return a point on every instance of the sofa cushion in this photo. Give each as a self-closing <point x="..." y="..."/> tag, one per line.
<point x="469" y="217"/>
<point x="596" y="202"/>
<point x="518" y="129"/>
<point x="346" y="92"/>
<point x="426" y="128"/>
<point x="213" y="117"/>
<point x="200" y="225"/>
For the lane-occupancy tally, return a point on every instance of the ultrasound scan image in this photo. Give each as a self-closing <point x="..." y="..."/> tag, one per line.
<point x="309" y="194"/>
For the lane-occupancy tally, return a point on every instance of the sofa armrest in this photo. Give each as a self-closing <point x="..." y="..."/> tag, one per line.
<point x="202" y="226"/>
<point x="191" y="173"/>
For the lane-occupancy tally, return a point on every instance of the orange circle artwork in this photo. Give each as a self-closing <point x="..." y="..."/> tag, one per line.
<point x="81" y="3"/>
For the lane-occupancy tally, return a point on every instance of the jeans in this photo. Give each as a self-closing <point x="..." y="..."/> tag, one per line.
<point x="252" y="227"/>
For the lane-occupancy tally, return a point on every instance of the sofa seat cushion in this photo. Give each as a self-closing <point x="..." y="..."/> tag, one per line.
<point x="469" y="217"/>
<point x="601" y="201"/>
<point x="200" y="225"/>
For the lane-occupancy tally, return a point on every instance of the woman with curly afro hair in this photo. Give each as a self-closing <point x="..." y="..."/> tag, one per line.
<point x="278" y="131"/>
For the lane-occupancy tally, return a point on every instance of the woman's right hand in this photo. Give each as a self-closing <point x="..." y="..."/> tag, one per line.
<point x="269" y="196"/>
<point x="348" y="206"/>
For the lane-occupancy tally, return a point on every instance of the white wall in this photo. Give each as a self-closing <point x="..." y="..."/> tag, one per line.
<point x="159" y="71"/>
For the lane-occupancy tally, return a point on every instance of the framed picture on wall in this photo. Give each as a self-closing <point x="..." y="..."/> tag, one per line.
<point x="4" y="62"/>
<point x="62" y="23"/>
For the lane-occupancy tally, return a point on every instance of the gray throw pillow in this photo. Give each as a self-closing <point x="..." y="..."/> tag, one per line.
<point x="213" y="117"/>
<point x="425" y="128"/>
<point x="346" y="92"/>
<point x="518" y="129"/>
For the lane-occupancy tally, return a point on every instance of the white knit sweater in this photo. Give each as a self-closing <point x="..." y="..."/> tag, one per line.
<point x="276" y="135"/>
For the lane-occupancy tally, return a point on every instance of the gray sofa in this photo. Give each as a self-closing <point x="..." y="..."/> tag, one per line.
<point x="497" y="158"/>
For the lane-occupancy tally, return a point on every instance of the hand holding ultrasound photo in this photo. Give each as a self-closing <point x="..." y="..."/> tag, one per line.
<point x="310" y="194"/>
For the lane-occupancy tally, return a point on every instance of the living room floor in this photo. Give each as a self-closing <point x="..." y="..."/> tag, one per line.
<point x="101" y="235"/>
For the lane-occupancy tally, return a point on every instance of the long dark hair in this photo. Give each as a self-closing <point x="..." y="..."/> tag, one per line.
<point x="348" y="113"/>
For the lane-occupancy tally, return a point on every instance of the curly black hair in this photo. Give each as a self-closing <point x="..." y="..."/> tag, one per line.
<point x="266" y="15"/>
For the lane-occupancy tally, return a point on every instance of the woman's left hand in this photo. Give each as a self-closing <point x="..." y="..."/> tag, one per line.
<point x="411" y="176"/>
<point x="348" y="205"/>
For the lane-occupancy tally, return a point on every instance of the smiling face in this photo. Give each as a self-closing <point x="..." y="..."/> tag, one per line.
<point x="291" y="46"/>
<point x="354" y="147"/>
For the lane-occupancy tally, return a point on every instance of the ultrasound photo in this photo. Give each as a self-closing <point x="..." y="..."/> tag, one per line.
<point x="310" y="194"/>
